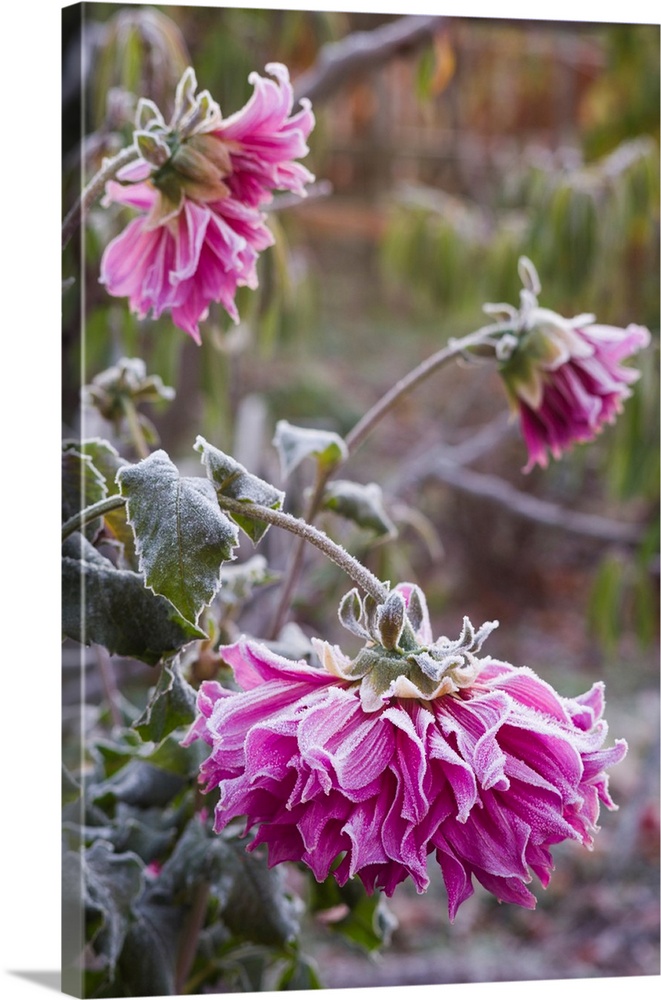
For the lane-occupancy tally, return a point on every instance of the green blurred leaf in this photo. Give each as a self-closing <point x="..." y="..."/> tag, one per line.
<point x="172" y="704"/>
<point x="347" y="910"/>
<point x="240" y="579"/>
<point x="230" y="479"/>
<point x="140" y="784"/>
<point x="258" y="908"/>
<point x="147" y="963"/>
<point x="101" y="604"/>
<point x="182" y="536"/>
<point x="71" y="790"/>
<point x="294" y="444"/>
<point x="300" y="974"/>
<point x="112" y="884"/>
<point x="360" y="503"/>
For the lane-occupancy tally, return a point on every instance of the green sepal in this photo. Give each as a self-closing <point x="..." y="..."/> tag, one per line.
<point x="182" y="536"/>
<point x="232" y="480"/>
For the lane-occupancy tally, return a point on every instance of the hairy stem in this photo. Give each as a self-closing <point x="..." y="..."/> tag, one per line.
<point x="91" y="191"/>
<point x="296" y="561"/>
<point x="83" y="517"/>
<point x="297" y="526"/>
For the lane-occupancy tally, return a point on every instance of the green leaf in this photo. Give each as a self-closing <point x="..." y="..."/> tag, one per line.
<point x="107" y="460"/>
<point x="362" y="504"/>
<point x="348" y="910"/>
<point x="182" y="536"/>
<point x="112" y="883"/>
<point x="139" y="784"/>
<point x="112" y="607"/>
<point x="230" y="479"/>
<point x="257" y="907"/>
<point x="239" y="580"/>
<point x="172" y="704"/>
<point x="294" y="444"/>
<point x="71" y="790"/>
<point x="300" y="974"/>
<point x="82" y="485"/>
<point x="148" y="958"/>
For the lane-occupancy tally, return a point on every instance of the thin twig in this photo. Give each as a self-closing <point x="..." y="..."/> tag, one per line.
<point x="376" y="413"/>
<point x="191" y="934"/>
<point x="533" y="508"/>
<point x="361" y="51"/>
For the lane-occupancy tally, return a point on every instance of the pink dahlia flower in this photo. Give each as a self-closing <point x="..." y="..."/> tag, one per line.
<point x="198" y="186"/>
<point x="367" y="766"/>
<point x="564" y="377"/>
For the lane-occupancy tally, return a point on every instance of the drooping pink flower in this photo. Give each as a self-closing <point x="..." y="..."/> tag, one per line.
<point x="367" y="766"/>
<point x="199" y="184"/>
<point x="564" y="377"/>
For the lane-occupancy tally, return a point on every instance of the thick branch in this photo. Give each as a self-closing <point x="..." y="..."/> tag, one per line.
<point x="362" y="51"/>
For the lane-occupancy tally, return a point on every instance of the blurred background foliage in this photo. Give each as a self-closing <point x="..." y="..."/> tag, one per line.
<point x="439" y="168"/>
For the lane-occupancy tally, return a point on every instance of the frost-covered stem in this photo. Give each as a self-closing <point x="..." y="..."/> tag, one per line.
<point x="297" y="526"/>
<point x="296" y="561"/>
<point x="135" y="430"/>
<point x="91" y="192"/>
<point x="109" y="685"/>
<point x="383" y="406"/>
<point x="79" y="520"/>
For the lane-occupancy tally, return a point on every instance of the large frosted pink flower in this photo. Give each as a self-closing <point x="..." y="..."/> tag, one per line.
<point x="367" y="766"/>
<point x="199" y="184"/>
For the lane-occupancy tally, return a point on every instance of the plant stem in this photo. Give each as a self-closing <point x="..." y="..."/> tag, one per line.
<point x="90" y="193"/>
<point x="297" y="526"/>
<point x="383" y="406"/>
<point x="357" y="435"/>
<point x="79" y="520"/>
<point x="190" y="935"/>
<point x="135" y="430"/>
<point x="296" y="562"/>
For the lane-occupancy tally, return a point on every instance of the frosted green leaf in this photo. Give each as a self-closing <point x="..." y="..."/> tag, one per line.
<point x="172" y="704"/>
<point x="118" y="611"/>
<point x="182" y="536"/>
<point x="82" y="485"/>
<point x="231" y="479"/>
<point x="362" y="504"/>
<point x="112" y="884"/>
<point x="294" y="444"/>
